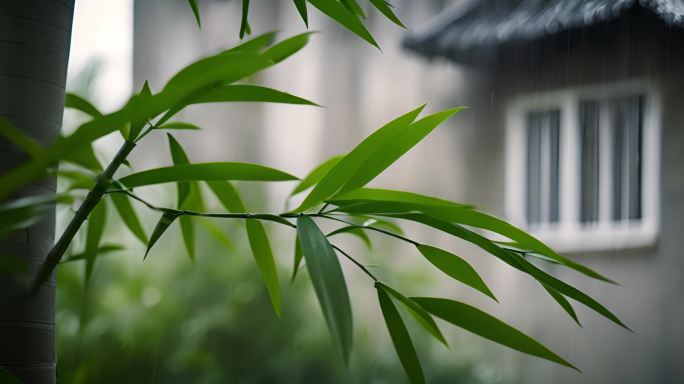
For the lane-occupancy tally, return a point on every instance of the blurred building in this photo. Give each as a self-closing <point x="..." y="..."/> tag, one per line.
<point x="579" y="139"/>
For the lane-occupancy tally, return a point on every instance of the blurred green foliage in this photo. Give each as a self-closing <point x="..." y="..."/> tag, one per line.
<point x="168" y="320"/>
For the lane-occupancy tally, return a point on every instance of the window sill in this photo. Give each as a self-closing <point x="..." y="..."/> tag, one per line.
<point x="595" y="238"/>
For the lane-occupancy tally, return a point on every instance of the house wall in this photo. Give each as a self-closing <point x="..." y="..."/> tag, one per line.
<point x="649" y="301"/>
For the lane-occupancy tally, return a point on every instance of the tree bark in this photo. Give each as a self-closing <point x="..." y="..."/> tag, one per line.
<point x="34" y="53"/>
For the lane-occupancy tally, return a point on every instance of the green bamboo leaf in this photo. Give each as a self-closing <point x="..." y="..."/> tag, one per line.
<point x="383" y="156"/>
<point x="384" y="7"/>
<point x="255" y="44"/>
<point x="563" y="302"/>
<point x="19" y="138"/>
<point x="84" y="156"/>
<point x="128" y="216"/>
<point x="353" y="230"/>
<point x="80" y="104"/>
<point x="301" y="8"/>
<point x="223" y="68"/>
<point x="244" y="24"/>
<point x="205" y="172"/>
<point x="188" y="233"/>
<point x="344" y="17"/>
<point x="218" y="233"/>
<point x="273" y="218"/>
<point x="96" y="223"/>
<point x="382" y="224"/>
<point x="79" y="180"/>
<point x="287" y="47"/>
<point x="248" y="93"/>
<point x="102" y="250"/>
<point x="178" y="125"/>
<point x="482" y="324"/>
<point x="138" y="124"/>
<point x="340" y="173"/>
<point x="354" y="7"/>
<point x="316" y="175"/>
<point x="513" y="260"/>
<point x="362" y="195"/>
<point x="400" y="338"/>
<point x="195" y="11"/>
<point x="327" y="278"/>
<point x="261" y="248"/>
<point x="227" y="195"/>
<point x="8" y="378"/>
<point x="23" y="212"/>
<point x="298" y="255"/>
<point x="167" y="218"/>
<point x="481" y="220"/>
<point x="455" y="267"/>
<point x="468" y="216"/>
<point x="179" y="157"/>
<point x="417" y="312"/>
<point x="566" y="289"/>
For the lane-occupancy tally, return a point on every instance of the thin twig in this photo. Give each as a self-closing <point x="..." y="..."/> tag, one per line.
<point x="364" y="269"/>
<point x="388" y="233"/>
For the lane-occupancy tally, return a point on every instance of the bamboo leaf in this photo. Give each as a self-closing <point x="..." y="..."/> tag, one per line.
<point x="482" y="324"/>
<point x="467" y="216"/>
<point x="353" y="230"/>
<point x="287" y="47"/>
<point x="340" y="173"/>
<point x="255" y="44"/>
<point x="455" y="267"/>
<point x="128" y="215"/>
<point x="383" y="156"/>
<point x="102" y="250"/>
<point x="354" y="7"/>
<point x="301" y="8"/>
<point x="74" y="101"/>
<point x="261" y="248"/>
<point x="188" y="232"/>
<point x="513" y="260"/>
<point x="316" y="175"/>
<point x="298" y="255"/>
<point x="244" y="24"/>
<point x="400" y="338"/>
<point x="248" y="93"/>
<point x="23" y="212"/>
<point x="137" y="124"/>
<point x="344" y="17"/>
<point x="8" y="378"/>
<point x="205" y="172"/>
<point x="417" y="312"/>
<point x="362" y="195"/>
<point x="163" y="224"/>
<point x="83" y="156"/>
<point x="179" y="157"/>
<point x="227" y="195"/>
<point x="96" y="223"/>
<point x="195" y="11"/>
<point x="178" y="125"/>
<point x="19" y="138"/>
<point x="328" y="281"/>
<point x="384" y="7"/>
<point x="563" y="302"/>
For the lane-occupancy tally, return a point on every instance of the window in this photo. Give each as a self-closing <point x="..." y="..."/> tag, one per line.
<point x="582" y="166"/>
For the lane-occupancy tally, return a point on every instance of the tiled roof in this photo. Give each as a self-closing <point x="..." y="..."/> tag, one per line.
<point x="474" y="24"/>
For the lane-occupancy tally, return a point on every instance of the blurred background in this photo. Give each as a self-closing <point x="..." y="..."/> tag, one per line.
<point x="574" y="132"/>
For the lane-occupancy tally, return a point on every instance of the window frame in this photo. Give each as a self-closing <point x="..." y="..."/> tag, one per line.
<point x="569" y="234"/>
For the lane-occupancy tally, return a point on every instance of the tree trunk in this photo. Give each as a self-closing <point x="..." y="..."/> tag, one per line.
<point x="34" y="52"/>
